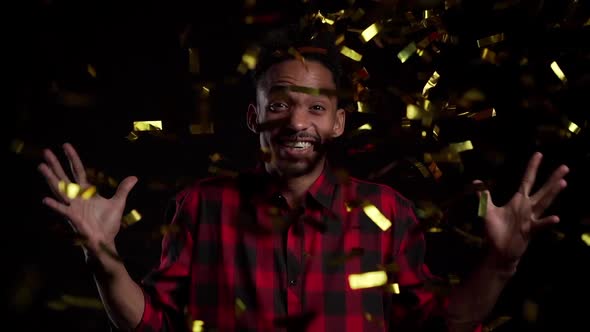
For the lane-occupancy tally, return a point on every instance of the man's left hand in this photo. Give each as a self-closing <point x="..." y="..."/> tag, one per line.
<point x="510" y="227"/>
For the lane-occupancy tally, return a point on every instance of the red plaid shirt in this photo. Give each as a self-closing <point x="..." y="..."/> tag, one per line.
<point x="237" y="258"/>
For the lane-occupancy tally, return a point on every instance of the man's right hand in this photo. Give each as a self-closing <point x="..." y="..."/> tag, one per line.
<point x="96" y="219"/>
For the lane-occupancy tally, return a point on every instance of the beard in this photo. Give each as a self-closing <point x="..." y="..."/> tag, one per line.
<point x="292" y="163"/>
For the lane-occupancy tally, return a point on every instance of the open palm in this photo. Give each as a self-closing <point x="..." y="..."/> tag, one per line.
<point x="96" y="219"/>
<point x="509" y="227"/>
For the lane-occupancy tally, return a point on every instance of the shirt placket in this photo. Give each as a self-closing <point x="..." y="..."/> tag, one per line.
<point x="294" y="255"/>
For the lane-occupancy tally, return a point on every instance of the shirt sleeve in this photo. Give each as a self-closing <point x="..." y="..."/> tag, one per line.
<point x="422" y="303"/>
<point x="166" y="287"/>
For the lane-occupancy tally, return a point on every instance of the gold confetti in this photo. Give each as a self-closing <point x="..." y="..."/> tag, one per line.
<point x="366" y="126"/>
<point x="147" y="125"/>
<point x="91" y="71"/>
<point x="370" y="32"/>
<point x="367" y="279"/>
<point x="82" y="302"/>
<point x="57" y="305"/>
<point x="558" y="72"/>
<point x="17" y="146"/>
<point x="413" y="112"/>
<point x="215" y="157"/>
<point x="61" y="186"/>
<point x="406" y="52"/>
<point x="493" y="325"/>
<point x="240" y="306"/>
<point x="72" y="190"/>
<point x="574" y="128"/>
<point x="201" y="128"/>
<point x="490" y="40"/>
<point x="483" y="204"/>
<point x="131" y="218"/>
<point x="198" y="326"/>
<point x="393" y="288"/>
<point x="586" y="238"/>
<point x="249" y="59"/>
<point x="488" y="55"/>
<point x="88" y="193"/>
<point x="376" y="216"/>
<point x="461" y="146"/>
<point x="132" y="136"/>
<point x="530" y="310"/>
<point x="350" y="53"/>
<point x="432" y="81"/>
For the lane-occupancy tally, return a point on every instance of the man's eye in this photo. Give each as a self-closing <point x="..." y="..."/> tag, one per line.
<point x="318" y="108"/>
<point x="278" y="106"/>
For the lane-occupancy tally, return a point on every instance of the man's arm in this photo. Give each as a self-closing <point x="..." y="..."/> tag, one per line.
<point x="471" y="302"/>
<point x="122" y="297"/>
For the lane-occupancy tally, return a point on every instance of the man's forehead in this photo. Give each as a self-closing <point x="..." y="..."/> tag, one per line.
<point x="313" y="91"/>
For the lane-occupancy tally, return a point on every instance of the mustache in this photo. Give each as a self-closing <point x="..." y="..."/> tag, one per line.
<point x="298" y="135"/>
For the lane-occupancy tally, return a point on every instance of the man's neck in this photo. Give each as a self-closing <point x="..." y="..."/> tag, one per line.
<point x="294" y="189"/>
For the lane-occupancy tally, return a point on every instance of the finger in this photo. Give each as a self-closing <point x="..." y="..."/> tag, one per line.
<point x="124" y="188"/>
<point x="53" y="182"/>
<point x="557" y="175"/>
<point x="76" y="165"/>
<point x="56" y="206"/>
<point x="544" y="202"/>
<point x="528" y="179"/>
<point x="544" y="222"/>
<point x="55" y="165"/>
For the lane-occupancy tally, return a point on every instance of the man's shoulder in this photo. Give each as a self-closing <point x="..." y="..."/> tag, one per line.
<point x="367" y="188"/>
<point x="213" y="185"/>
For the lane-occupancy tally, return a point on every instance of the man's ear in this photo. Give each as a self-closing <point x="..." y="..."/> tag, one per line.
<point x="338" y="128"/>
<point x="252" y="118"/>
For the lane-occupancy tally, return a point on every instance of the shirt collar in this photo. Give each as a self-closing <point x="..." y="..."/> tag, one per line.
<point x="321" y="190"/>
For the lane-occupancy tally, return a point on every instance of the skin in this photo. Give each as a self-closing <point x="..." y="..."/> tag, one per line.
<point x="302" y="116"/>
<point x="509" y="227"/>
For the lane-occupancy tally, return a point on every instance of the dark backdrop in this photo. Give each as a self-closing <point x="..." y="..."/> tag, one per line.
<point x="139" y="52"/>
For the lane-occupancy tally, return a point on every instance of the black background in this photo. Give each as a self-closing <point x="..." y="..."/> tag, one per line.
<point x="142" y="74"/>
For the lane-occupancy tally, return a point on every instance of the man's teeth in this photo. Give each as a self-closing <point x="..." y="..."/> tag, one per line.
<point x="298" y="144"/>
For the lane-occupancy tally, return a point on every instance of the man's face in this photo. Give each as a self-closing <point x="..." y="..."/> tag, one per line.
<point x="305" y="121"/>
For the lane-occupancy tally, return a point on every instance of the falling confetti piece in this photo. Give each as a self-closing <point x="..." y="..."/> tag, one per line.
<point x="483" y="204"/>
<point x="367" y="280"/>
<point x="147" y="125"/>
<point x="376" y="216"/>
<point x="198" y="326"/>
<point x="88" y="192"/>
<point x="370" y="32"/>
<point x="82" y="302"/>
<point x="493" y="325"/>
<point x="72" y="190"/>
<point x="92" y="71"/>
<point x="350" y="53"/>
<point x="17" y="146"/>
<point x="405" y="53"/>
<point x="240" y="306"/>
<point x="586" y="238"/>
<point x="131" y="218"/>
<point x="393" y="288"/>
<point x="494" y="39"/>
<point x="530" y="311"/>
<point x="558" y="72"/>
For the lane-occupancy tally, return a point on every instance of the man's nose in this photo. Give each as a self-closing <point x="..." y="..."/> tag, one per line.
<point x="299" y="118"/>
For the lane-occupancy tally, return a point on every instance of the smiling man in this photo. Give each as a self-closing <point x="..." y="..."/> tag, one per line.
<point x="291" y="246"/>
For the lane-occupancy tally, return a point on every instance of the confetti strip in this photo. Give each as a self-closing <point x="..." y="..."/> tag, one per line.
<point x="367" y="280"/>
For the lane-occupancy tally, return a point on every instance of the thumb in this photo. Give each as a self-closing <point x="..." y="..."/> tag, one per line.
<point x="125" y="187"/>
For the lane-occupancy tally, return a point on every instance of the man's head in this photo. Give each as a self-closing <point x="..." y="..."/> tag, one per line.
<point x="296" y="80"/>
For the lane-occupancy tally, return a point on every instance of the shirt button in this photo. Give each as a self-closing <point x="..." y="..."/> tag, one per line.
<point x="292" y="282"/>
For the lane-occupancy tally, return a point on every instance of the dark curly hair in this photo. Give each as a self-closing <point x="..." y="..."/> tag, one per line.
<point x="309" y="41"/>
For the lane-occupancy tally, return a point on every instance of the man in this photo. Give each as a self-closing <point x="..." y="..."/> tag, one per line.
<point x="287" y="246"/>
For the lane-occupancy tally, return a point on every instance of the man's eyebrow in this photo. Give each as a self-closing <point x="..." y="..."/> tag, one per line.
<point x="303" y="89"/>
